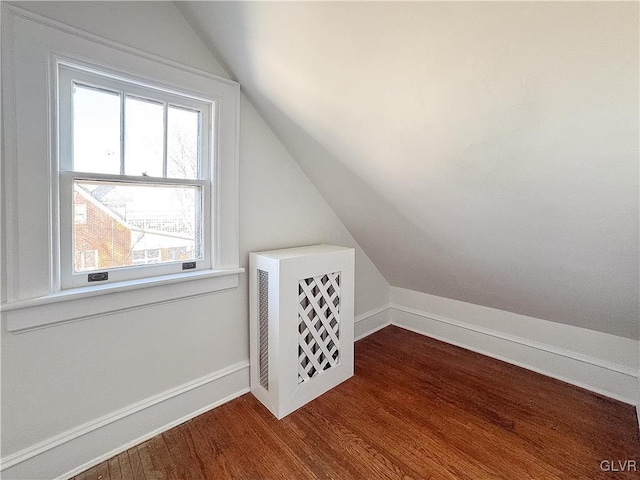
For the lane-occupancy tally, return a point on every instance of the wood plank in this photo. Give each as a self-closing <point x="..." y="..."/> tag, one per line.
<point x="149" y="460"/>
<point x="102" y="471"/>
<point x="126" y="470"/>
<point x="137" y="466"/>
<point x="115" y="473"/>
<point x="314" y="455"/>
<point x="90" y="474"/>
<point x="211" y="442"/>
<point x="181" y="450"/>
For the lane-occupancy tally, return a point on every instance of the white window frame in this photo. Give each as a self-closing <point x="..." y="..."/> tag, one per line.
<point x="34" y="292"/>
<point x="70" y="74"/>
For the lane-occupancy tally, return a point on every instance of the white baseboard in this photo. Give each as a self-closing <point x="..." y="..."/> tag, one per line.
<point x="80" y="448"/>
<point x="596" y="361"/>
<point x="371" y="321"/>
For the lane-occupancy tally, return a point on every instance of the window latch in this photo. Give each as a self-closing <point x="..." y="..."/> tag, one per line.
<point x="98" y="277"/>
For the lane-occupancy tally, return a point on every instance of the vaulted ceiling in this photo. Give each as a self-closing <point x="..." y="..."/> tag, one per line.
<point x="485" y="152"/>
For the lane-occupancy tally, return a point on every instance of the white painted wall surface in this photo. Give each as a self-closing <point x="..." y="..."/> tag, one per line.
<point x="57" y="378"/>
<point x="481" y="151"/>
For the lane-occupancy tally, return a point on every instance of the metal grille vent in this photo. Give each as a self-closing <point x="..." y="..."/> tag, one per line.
<point x="263" y="314"/>
<point x="318" y="324"/>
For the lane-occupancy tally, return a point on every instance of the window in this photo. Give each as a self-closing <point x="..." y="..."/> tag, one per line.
<point x="71" y="174"/>
<point x="135" y="167"/>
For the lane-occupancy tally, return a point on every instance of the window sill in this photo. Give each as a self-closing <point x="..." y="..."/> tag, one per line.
<point x="80" y="303"/>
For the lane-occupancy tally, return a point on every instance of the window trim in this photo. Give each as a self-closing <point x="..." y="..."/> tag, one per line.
<point x="32" y="298"/>
<point x="88" y="302"/>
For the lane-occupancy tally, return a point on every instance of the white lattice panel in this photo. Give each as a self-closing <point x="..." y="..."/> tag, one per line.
<point x="318" y="324"/>
<point x="301" y="308"/>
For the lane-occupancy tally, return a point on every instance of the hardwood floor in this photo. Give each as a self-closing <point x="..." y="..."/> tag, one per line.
<point x="416" y="408"/>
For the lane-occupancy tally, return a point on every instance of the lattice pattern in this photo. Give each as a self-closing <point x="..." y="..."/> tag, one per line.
<point x="318" y="324"/>
<point x="263" y="327"/>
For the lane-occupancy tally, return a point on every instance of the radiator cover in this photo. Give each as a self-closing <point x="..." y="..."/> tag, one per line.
<point x="301" y="323"/>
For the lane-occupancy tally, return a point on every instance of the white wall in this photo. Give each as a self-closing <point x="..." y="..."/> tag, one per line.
<point x="481" y="151"/>
<point x="57" y="378"/>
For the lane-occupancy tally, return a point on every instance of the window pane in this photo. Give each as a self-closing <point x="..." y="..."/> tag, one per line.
<point x="182" y="143"/>
<point x="132" y="224"/>
<point x="144" y="137"/>
<point x="96" y="130"/>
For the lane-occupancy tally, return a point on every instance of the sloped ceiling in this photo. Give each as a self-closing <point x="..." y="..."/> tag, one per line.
<point x="485" y="152"/>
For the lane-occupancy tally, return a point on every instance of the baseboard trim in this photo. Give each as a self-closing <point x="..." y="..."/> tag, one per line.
<point x="150" y="435"/>
<point x="372" y="321"/>
<point x="238" y="386"/>
<point x="597" y="375"/>
<point x="364" y="316"/>
<point x="369" y="332"/>
<point x="523" y="341"/>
